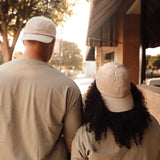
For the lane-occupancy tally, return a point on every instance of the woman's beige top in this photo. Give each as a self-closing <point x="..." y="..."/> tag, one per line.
<point x="84" y="146"/>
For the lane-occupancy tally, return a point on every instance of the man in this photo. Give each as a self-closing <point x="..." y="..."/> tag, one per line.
<point x="40" y="108"/>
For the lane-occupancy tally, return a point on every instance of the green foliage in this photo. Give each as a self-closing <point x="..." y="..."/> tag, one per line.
<point x="153" y="62"/>
<point x="71" y="57"/>
<point x="17" y="55"/>
<point x="15" y="13"/>
<point x="156" y="64"/>
<point x="21" y="10"/>
<point x="1" y="58"/>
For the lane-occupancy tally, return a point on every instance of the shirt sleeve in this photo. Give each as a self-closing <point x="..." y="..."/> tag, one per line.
<point x="78" y="151"/>
<point x="74" y="114"/>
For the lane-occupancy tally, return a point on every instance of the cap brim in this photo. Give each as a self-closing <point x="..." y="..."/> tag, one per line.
<point x="118" y="104"/>
<point x="40" y="38"/>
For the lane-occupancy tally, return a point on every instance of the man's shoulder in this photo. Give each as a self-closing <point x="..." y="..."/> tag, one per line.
<point x="7" y="63"/>
<point x="57" y="79"/>
<point x="7" y="66"/>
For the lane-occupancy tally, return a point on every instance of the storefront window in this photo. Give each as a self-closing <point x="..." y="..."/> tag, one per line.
<point x="152" y="72"/>
<point x="109" y="57"/>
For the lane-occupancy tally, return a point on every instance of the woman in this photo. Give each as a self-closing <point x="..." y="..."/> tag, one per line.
<point x="117" y="124"/>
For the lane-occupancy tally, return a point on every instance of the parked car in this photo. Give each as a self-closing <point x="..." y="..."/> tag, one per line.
<point x="154" y="82"/>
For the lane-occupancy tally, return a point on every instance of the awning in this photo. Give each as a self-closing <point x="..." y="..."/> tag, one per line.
<point x="101" y="11"/>
<point x="90" y="54"/>
<point x="151" y="23"/>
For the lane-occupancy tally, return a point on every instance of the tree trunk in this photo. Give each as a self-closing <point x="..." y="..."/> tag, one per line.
<point x="7" y="51"/>
<point x="15" y="38"/>
<point x="4" y="44"/>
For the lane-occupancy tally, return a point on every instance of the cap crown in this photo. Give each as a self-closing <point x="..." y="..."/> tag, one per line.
<point x="39" y="28"/>
<point x="113" y="80"/>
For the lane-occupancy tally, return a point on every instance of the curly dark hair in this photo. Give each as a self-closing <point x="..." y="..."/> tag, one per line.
<point x="125" y="126"/>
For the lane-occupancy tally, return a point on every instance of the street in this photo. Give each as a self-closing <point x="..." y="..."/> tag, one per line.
<point x="83" y="82"/>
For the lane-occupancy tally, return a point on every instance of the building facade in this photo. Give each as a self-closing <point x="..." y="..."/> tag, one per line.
<point x="121" y="31"/>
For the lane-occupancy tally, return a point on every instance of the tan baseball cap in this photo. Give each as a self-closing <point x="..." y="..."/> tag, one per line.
<point x="113" y="82"/>
<point x="40" y="29"/>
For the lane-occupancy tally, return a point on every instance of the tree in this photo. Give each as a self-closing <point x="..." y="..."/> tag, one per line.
<point x="17" y="55"/>
<point x="156" y="63"/>
<point x="153" y="62"/>
<point x="1" y="58"/>
<point x="15" y="13"/>
<point x="148" y="61"/>
<point x="71" y="56"/>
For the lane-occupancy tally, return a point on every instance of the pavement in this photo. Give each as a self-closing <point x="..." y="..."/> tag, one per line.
<point x="83" y="82"/>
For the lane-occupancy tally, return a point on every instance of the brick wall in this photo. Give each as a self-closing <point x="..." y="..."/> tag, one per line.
<point x="129" y="43"/>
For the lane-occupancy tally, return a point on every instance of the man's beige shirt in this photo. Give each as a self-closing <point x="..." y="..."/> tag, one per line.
<point x="38" y="107"/>
<point x="84" y="146"/>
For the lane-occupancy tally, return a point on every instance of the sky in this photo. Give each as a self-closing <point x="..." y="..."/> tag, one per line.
<point x="153" y="51"/>
<point x="74" y="29"/>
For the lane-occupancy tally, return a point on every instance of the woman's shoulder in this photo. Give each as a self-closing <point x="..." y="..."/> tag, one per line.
<point x="83" y="135"/>
<point x="154" y="122"/>
<point x="154" y="125"/>
<point x="153" y="131"/>
<point x="81" y="131"/>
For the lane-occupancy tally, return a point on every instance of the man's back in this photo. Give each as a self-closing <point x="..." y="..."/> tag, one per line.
<point x="36" y="103"/>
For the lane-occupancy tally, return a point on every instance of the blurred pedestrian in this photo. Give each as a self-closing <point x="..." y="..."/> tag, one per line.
<point x="117" y="124"/>
<point x="40" y="108"/>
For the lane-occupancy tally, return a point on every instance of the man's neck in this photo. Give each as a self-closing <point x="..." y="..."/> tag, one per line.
<point x="26" y="56"/>
<point x="33" y="53"/>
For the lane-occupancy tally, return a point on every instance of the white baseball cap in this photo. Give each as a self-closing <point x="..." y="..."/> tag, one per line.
<point x="40" y="29"/>
<point x="113" y="82"/>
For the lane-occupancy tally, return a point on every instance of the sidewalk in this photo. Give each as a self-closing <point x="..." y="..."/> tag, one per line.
<point x="83" y="82"/>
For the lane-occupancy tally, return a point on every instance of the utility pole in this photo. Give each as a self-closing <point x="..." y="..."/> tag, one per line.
<point x="61" y="50"/>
